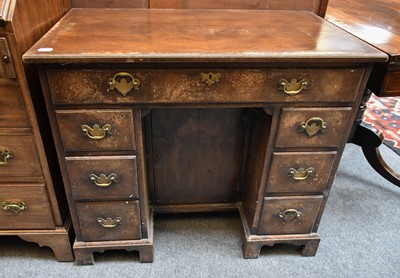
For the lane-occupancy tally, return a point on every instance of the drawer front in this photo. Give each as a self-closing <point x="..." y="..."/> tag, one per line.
<point x="289" y="215"/>
<point x="96" y="130"/>
<point x="391" y="85"/>
<point x="109" y="220"/>
<point x="298" y="172"/>
<point x="24" y="207"/>
<point x="18" y="156"/>
<point x="91" y="86"/>
<point x="103" y="178"/>
<point x="312" y="127"/>
<point x="13" y="112"/>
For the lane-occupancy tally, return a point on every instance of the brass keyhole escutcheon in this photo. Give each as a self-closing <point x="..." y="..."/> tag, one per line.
<point x="210" y="78"/>
<point x="123" y="82"/>
<point x="312" y="126"/>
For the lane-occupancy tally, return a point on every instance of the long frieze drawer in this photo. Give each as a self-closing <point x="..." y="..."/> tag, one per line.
<point x="24" y="207"/>
<point x="103" y="178"/>
<point x="93" y="86"/>
<point x="18" y="156"/>
<point x="289" y="215"/>
<point x="96" y="130"/>
<point x="109" y="220"/>
<point x="312" y="127"/>
<point x="13" y="112"/>
<point x="298" y="172"/>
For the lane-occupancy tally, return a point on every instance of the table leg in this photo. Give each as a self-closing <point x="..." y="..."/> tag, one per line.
<point x="369" y="139"/>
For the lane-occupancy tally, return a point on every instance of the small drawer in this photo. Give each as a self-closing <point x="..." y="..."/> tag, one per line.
<point x="298" y="172"/>
<point x="18" y="156"/>
<point x="96" y="130"/>
<point x="25" y="206"/>
<point x="289" y="215"/>
<point x="391" y="85"/>
<point x="130" y="85"/>
<point x="109" y="220"/>
<point x="312" y="127"/>
<point x="13" y="112"/>
<point x="103" y="178"/>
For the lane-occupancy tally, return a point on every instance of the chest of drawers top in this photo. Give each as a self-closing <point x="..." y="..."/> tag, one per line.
<point x="197" y="36"/>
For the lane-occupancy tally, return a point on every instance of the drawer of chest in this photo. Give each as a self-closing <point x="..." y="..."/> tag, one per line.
<point x="91" y="86"/>
<point x="18" y="156"/>
<point x="300" y="172"/>
<point x="312" y="127"/>
<point x="13" y="112"/>
<point x="289" y="215"/>
<point x="103" y="178"/>
<point x="96" y="130"/>
<point x="109" y="220"/>
<point x="24" y="207"/>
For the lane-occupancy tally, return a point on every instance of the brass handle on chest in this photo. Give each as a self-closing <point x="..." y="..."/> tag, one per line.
<point x="300" y="174"/>
<point x="293" y="87"/>
<point x="4" y="155"/>
<point x="96" y="132"/>
<point x="103" y="180"/>
<point x="312" y="126"/>
<point x="14" y="206"/>
<point x="109" y="222"/>
<point x="123" y="82"/>
<point x="289" y="215"/>
<point x="210" y="78"/>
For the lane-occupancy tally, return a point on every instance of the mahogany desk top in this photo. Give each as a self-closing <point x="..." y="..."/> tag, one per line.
<point x="196" y="36"/>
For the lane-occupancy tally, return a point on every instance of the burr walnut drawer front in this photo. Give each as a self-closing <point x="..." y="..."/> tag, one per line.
<point x="300" y="172"/>
<point x="13" y="112"/>
<point x="103" y="178"/>
<point x="129" y="85"/>
<point x="96" y="130"/>
<point x="109" y="220"/>
<point x="18" y="156"/>
<point x="25" y="206"/>
<point x="312" y="127"/>
<point x="289" y="215"/>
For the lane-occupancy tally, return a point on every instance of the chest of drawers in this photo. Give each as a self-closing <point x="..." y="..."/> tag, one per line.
<point x="218" y="110"/>
<point x="33" y="203"/>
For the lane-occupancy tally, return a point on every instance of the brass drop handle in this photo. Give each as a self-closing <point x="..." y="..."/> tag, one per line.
<point x="300" y="174"/>
<point x="293" y="87"/>
<point x="96" y="132"/>
<point x="289" y="215"/>
<point x="103" y="180"/>
<point x="109" y="222"/>
<point x="5" y="155"/>
<point x="210" y="78"/>
<point x="14" y="206"/>
<point x="125" y="84"/>
<point x="312" y="126"/>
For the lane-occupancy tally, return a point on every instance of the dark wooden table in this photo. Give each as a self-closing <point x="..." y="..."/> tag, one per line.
<point x="376" y="22"/>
